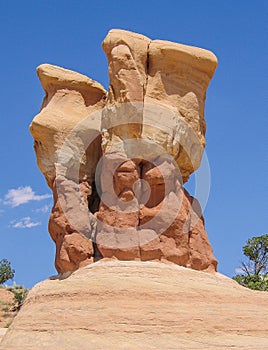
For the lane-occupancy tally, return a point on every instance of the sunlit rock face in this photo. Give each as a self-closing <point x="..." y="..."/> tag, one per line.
<point x="116" y="161"/>
<point x="140" y="305"/>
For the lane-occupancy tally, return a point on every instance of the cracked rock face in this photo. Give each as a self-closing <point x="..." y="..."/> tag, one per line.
<point x="116" y="161"/>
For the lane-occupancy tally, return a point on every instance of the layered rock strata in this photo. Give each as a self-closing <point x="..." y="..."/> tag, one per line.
<point x="140" y="305"/>
<point x="116" y="161"/>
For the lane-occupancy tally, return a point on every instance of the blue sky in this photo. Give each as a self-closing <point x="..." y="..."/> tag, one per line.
<point x="69" y="34"/>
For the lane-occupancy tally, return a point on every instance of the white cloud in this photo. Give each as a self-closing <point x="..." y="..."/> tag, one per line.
<point x="25" y="222"/>
<point x="22" y="195"/>
<point x="43" y="209"/>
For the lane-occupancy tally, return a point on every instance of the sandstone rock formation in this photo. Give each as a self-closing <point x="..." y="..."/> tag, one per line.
<point x="70" y="97"/>
<point x="116" y="161"/>
<point x="140" y="305"/>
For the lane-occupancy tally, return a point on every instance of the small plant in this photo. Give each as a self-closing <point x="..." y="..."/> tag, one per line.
<point x="20" y="294"/>
<point x="8" y="324"/>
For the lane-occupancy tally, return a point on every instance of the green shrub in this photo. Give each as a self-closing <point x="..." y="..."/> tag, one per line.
<point x="20" y="294"/>
<point x="255" y="269"/>
<point x="255" y="282"/>
<point x="6" y="273"/>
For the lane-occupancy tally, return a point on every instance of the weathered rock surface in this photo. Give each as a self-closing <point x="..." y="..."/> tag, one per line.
<point x="178" y="77"/>
<point x="157" y="92"/>
<point x="2" y="333"/>
<point x="117" y="161"/>
<point x="70" y="224"/>
<point x="164" y="226"/>
<point x="70" y="98"/>
<point x="140" y="305"/>
<point x="7" y="310"/>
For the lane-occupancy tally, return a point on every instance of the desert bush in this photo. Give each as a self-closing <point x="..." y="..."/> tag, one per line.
<point x="255" y="270"/>
<point x="6" y="272"/>
<point x="20" y="294"/>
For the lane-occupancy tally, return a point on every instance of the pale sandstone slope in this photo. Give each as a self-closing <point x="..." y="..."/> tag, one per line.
<point x="140" y="305"/>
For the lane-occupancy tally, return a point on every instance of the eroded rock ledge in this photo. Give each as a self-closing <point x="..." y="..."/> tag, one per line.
<point x="116" y="161"/>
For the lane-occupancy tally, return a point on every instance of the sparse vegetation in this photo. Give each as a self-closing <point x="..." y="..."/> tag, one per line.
<point x="6" y="307"/>
<point x="8" y="324"/>
<point x="20" y="294"/>
<point x="255" y="270"/>
<point x="11" y="300"/>
<point x="6" y="272"/>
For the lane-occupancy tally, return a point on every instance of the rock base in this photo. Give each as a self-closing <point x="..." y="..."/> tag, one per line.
<point x="140" y="305"/>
